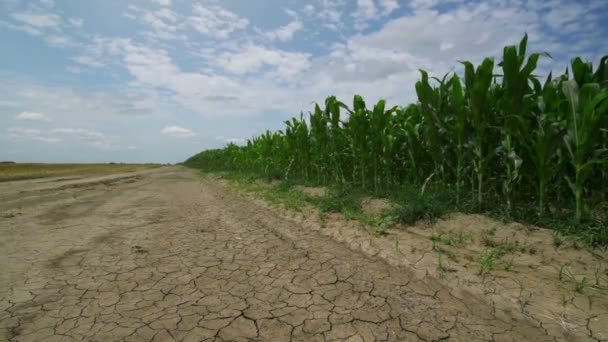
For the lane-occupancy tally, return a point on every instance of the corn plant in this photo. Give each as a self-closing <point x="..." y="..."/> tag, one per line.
<point x="587" y="108"/>
<point x="500" y="139"/>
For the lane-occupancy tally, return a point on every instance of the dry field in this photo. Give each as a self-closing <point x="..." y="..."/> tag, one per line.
<point x="20" y="171"/>
<point x="164" y="255"/>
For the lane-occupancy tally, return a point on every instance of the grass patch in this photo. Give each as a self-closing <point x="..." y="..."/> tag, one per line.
<point x="413" y="205"/>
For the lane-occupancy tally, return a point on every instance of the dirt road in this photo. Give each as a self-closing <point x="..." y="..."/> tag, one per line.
<point x="162" y="255"/>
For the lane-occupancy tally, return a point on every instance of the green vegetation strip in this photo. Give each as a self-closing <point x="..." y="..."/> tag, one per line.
<point x="498" y="141"/>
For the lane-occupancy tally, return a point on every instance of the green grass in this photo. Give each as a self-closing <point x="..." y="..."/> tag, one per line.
<point x="411" y="206"/>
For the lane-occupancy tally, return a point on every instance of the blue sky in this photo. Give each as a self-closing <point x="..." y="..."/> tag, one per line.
<point x="159" y="80"/>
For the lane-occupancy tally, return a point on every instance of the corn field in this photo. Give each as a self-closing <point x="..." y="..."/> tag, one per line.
<point x="498" y="135"/>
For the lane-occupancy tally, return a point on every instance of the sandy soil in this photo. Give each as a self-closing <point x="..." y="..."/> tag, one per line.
<point x="162" y="255"/>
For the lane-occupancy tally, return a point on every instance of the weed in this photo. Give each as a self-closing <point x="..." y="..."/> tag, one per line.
<point x="441" y="269"/>
<point x="448" y="254"/>
<point x="322" y="218"/>
<point x="488" y="241"/>
<point x="339" y="199"/>
<point x="564" y="298"/>
<point x="414" y="205"/>
<point x="383" y="223"/>
<point x="397" y="245"/>
<point x="462" y="237"/>
<point x="598" y="274"/>
<point x="487" y="262"/>
<point x="558" y="240"/>
<point x="582" y="286"/>
<point x="451" y="239"/>
<point x="509" y="264"/>
<point x="561" y="273"/>
<point x="508" y="247"/>
<point x="490" y="232"/>
<point x="520" y="297"/>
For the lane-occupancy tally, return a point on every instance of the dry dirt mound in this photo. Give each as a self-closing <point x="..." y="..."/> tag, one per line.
<point x="376" y="206"/>
<point x="312" y="191"/>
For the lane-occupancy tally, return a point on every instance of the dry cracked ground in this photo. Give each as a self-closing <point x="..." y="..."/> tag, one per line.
<point x="162" y="255"/>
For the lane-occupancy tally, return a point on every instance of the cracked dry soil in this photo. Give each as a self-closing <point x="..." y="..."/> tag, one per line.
<point x="161" y="255"/>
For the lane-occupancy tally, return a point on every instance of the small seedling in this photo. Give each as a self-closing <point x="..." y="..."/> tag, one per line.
<point x="558" y="240"/>
<point x="489" y="242"/>
<point x="491" y="231"/>
<point x="509" y="264"/>
<point x="598" y="276"/>
<point x="520" y="298"/>
<point x="564" y="298"/>
<point x="397" y="245"/>
<point x="561" y="272"/>
<point x="462" y="237"/>
<point x="582" y="286"/>
<point x="383" y="224"/>
<point x="434" y="245"/>
<point x="487" y="262"/>
<point x="440" y="267"/>
<point x="322" y="218"/>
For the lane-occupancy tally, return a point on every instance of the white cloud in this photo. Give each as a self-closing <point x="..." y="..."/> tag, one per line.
<point x="88" y="60"/>
<point x="215" y="21"/>
<point x="25" y="134"/>
<point x="38" y="20"/>
<point x="32" y="116"/>
<point x="366" y="9"/>
<point x="252" y="58"/>
<point x="163" y="2"/>
<point x="162" y="23"/>
<point x="286" y="32"/>
<point x="309" y="9"/>
<point x="91" y="137"/>
<point x="75" y="22"/>
<point x="567" y="13"/>
<point x="388" y="6"/>
<point x="177" y="132"/>
<point x="59" y="40"/>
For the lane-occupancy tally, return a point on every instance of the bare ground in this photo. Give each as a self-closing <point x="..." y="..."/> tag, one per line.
<point x="161" y="255"/>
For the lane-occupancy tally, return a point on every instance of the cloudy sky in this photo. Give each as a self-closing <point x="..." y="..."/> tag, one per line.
<point x="158" y="80"/>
